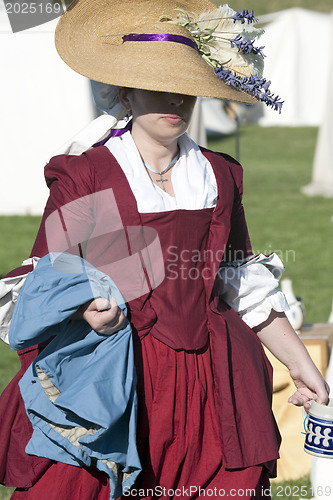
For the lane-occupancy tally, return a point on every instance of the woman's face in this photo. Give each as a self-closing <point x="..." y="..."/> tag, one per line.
<point x="162" y="116"/>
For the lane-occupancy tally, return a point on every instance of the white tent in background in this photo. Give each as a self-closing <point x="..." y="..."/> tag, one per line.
<point x="43" y="103"/>
<point x="216" y="120"/>
<point x="297" y="44"/>
<point x="322" y="173"/>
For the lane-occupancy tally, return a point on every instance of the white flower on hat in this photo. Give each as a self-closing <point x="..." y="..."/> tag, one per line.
<point x="216" y="34"/>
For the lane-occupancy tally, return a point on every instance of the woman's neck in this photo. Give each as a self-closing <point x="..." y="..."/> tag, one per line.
<point x="154" y="153"/>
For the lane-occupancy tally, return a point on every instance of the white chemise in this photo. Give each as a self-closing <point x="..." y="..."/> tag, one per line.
<point x="192" y="177"/>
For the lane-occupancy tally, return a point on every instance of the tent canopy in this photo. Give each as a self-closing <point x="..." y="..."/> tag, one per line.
<point x="297" y="46"/>
<point x="43" y="103"/>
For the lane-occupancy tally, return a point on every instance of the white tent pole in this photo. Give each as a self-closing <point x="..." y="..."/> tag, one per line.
<point x="322" y="172"/>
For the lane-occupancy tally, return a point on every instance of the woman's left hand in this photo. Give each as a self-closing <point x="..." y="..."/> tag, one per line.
<point x="309" y="384"/>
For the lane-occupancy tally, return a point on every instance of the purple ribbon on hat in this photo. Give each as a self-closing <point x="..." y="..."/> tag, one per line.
<point x="159" y="37"/>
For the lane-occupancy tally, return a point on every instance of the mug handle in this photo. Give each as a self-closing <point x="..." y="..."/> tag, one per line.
<point x="305" y="421"/>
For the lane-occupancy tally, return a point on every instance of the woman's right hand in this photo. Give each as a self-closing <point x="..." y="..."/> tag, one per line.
<point x="104" y="316"/>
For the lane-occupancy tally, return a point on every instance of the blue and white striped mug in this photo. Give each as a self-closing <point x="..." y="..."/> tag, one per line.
<point x="319" y="430"/>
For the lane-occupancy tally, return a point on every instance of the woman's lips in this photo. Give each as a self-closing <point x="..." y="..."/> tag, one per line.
<point x="173" y="119"/>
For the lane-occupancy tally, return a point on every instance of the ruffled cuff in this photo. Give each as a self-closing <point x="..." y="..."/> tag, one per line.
<point x="9" y="289"/>
<point x="249" y="287"/>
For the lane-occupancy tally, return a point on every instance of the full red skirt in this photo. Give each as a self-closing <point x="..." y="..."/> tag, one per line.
<point x="178" y="438"/>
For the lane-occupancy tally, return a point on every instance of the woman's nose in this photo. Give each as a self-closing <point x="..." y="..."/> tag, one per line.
<point x="176" y="99"/>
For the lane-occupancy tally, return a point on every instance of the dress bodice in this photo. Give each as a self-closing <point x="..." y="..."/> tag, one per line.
<point x="180" y="300"/>
<point x="116" y="242"/>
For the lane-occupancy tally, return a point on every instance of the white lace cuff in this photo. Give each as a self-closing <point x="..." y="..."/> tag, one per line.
<point x="249" y="287"/>
<point x="9" y="290"/>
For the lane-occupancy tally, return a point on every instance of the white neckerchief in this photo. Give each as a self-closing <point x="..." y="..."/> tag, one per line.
<point x="193" y="179"/>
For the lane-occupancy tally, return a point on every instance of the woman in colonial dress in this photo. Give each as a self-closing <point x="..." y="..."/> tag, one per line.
<point x="200" y="305"/>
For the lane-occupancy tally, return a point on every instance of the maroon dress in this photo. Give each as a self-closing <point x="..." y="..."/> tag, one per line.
<point x="205" y="425"/>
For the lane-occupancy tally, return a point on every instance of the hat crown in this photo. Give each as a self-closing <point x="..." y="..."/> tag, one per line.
<point x="93" y="38"/>
<point x="161" y="27"/>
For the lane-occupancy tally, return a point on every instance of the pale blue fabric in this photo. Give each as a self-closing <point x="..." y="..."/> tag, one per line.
<point x="94" y="373"/>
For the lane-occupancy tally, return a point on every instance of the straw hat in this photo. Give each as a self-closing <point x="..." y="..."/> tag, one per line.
<point x="89" y="38"/>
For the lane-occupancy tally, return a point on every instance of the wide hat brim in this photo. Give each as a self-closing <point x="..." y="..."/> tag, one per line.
<point x="89" y="39"/>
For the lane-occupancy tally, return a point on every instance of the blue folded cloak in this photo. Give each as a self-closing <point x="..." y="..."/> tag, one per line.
<point x="79" y="393"/>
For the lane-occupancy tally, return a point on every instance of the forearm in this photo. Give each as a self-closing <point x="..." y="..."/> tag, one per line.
<point x="281" y="339"/>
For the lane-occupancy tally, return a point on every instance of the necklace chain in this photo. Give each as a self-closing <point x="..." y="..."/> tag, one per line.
<point x="171" y="164"/>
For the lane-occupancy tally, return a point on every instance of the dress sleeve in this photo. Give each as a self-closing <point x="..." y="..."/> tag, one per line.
<point x="68" y="217"/>
<point x="239" y="244"/>
<point x="249" y="286"/>
<point x="66" y="224"/>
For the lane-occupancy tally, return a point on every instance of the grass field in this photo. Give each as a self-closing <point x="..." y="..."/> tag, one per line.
<point x="5" y="493"/>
